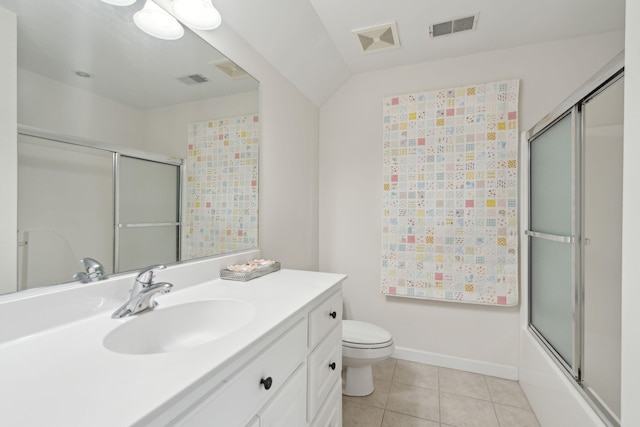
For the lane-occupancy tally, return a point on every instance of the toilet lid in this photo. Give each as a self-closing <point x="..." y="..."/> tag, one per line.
<point x="356" y="332"/>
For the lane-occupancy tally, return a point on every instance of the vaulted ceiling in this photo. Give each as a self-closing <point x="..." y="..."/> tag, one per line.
<point x="311" y="42"/>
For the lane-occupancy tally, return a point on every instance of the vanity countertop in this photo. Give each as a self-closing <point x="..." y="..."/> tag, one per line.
<point x="65" y="376"/>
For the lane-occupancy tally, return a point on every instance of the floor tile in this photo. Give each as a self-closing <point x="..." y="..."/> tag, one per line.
<point x="507" y="392"/>
<point x="415" y="401"/>
<point x="461" y="411"/>
<point x="463" y="383"/>
<point x="410" y="394"/>
<point x="416" y="374"/>
<point x="394" y="419"/>
<point x="384" y="370"/>
<point x="379" y="396"/>
<point x="510" y="416"/>
<point x="358" y="415"/>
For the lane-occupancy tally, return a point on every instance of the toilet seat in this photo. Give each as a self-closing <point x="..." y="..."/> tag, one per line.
<point x="362" y="335"/>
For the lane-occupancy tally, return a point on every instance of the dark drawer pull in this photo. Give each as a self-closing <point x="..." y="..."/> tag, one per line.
<point x="266" y="383"/>
<point x="333" y="314"/>
<point x="332" y="366"/>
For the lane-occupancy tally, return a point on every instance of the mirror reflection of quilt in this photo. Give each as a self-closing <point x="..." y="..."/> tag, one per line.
<point x="221" y="192"/>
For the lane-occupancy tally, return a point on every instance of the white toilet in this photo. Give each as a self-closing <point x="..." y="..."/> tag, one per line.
<point x="363" y="344"/>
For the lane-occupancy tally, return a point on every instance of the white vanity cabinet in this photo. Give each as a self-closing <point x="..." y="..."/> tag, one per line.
<point x="294" y="381"/>
<point x="325" y="357"/>
<point x="244" y="393"/>
<point x="288" y="407"/>
<point x="279" y="369"/>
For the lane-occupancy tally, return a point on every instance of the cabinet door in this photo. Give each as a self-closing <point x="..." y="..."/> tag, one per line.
<point x="325" y="365"/>
<point x="288" y="408"/>
<point x="330" y="415"/>
<point x="243" y="394"/>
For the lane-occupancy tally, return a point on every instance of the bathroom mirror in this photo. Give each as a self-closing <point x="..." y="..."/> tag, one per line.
<point x="87" y="74"/>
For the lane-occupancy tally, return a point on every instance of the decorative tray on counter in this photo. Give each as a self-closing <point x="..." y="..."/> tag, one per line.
<point x="252" y="270"/>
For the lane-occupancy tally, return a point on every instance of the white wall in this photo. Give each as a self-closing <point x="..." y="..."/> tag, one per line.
<point x="288" y="158"/>
<point x="631" y="222"/>
<point x="57" y="107"/>
<point x="166" y="128"/>
<point x="8" y="151"/>
<point x="351" y="180"/>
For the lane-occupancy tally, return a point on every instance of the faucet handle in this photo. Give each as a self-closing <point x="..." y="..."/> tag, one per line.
<point x="94" y="271"/>
<point x="92" y="266"/>
<point x="145" y="277"/>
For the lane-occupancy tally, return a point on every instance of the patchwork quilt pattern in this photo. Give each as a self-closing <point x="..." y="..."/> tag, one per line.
<point x="450" y="187"/>
<point x="221" y="190"/>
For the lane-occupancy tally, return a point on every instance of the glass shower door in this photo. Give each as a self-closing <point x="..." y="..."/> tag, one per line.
<point x="575" y="238"/>
<point x="602" y="250"/>
<point x="147" y="213"/>
<point x="552" y="231"/>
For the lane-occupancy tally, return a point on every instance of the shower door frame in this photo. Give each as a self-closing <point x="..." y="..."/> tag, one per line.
<point x="573" y="240"/>
<point x="116" y="151"/>
<point x="118" y="225"/>
<point x="573" y="106"/>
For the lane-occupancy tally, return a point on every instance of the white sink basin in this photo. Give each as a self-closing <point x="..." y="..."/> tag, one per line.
<point x="179" y="327"/>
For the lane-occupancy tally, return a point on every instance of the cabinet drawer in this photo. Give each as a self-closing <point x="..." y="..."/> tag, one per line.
<point x="288" y="407"/>
<point x="325" y="366"/>
<point x="236" y="401"/>
<point x="330" y="414"/>
<point x="324" y="317"/>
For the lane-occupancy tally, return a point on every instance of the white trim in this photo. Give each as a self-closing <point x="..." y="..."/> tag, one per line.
<point x="453" y="362"/>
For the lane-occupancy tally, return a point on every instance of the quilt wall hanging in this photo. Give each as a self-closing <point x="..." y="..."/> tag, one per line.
<point x="450" y="187"/>
<point x="221" y="189"/>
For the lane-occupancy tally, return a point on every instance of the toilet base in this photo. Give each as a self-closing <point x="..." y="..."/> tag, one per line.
<point x="357" y="381"/>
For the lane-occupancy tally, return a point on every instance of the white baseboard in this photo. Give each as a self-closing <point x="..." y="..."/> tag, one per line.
<point x="453" y="362"/>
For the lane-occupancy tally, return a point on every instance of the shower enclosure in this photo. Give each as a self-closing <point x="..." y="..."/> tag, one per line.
<point x="80" y="199"/>
<point x="575" y="239"/>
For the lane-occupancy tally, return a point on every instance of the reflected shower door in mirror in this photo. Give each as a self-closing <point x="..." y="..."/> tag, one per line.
<point x="87" y="72"/>
<point x="65" y="210"/>
<point x="147" y="213"/>
<point x="86" y="191"/>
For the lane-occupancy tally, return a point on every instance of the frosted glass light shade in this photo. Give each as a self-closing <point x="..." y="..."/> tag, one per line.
<point x="197" y="14"/>
<point x="120" y="2"/>
<point x="156" y="22"/>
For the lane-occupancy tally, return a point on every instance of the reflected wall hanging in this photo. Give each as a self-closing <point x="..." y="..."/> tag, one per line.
<point x="221" y="190"/>
<point x="450" y="187"/>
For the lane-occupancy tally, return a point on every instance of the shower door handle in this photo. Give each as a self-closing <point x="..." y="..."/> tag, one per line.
<point x="552" y="237"/>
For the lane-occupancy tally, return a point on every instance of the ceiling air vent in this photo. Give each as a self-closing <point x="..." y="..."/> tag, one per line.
<point x="230" y="69"/>
<point x="193" y="79"/>
<point x="453" y="26"/>
<point x="377" y="38"/>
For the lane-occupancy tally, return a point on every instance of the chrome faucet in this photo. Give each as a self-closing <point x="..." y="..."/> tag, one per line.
<point x="143" y="293"/>
<point x="94" y="271"/>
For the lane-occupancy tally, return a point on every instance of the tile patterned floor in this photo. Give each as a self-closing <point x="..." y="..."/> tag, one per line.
<point x="409" y="394"/>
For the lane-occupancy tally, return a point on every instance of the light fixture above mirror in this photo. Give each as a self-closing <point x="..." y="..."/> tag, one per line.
<point x="120" y="2"/>
<point x="155" y="21"/>
<point x="197" y="14"/>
